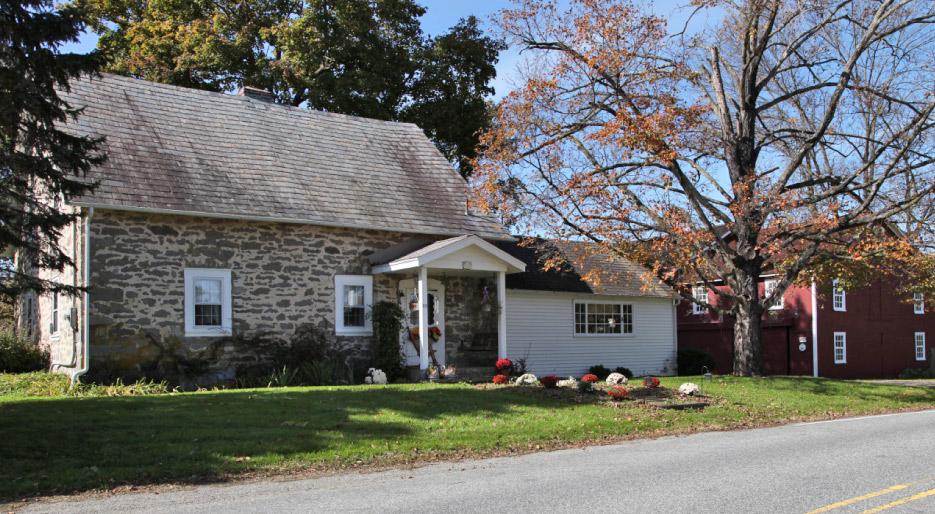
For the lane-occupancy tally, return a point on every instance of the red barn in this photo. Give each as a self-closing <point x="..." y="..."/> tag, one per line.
<point x="823" y="331"/>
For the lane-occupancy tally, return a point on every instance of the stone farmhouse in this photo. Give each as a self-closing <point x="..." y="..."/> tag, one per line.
<point x="222" y="220"/>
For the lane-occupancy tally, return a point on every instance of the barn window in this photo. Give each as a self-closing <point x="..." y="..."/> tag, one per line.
<point x="768" y="287"/>
<point x="920" y="346"/>
<point x="918" y="303"/>
<point x="838" y="298"/>
<point x="701" y="294"/>
<point x="840" y="348"/>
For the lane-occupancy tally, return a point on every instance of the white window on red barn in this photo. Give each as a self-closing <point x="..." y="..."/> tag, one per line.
<point x="701" y="294"/>
<point x="768" y="288"/>
<point x="920" y="346"/>
<point x="840" y="348"/>
<point x="838" y="297"/>
<point x="918" y="303"/>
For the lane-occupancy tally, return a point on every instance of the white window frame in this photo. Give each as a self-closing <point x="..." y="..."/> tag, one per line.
<point x="623" y="332"/>
<point x="340" y="281"/>
<point x="55" y="309"/>
<point x="918" y="303"/>
<point x="700" y="293"/>
<point x="768" y="287"/>
<point x="843" y="341"/>
<point x="224" y="275"/>
<point x="920" y="346"/>
<point x="837" y="292"/>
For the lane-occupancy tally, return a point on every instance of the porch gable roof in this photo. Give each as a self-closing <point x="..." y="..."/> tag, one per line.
<point x="446" y="254"/>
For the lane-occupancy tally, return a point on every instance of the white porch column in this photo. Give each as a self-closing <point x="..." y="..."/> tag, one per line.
<point x="423" y="318"/>
<point x="501" y="323"/>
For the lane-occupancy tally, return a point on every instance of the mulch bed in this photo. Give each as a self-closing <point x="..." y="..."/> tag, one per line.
<point x="661" y="396"/>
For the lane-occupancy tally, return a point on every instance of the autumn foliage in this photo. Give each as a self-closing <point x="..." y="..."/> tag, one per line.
<point x="781" y="137"/>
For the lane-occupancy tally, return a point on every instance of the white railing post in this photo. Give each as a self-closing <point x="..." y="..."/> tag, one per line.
<point x="423" y="318"/>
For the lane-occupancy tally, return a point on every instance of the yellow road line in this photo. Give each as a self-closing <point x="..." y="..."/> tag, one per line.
<point x="907" y="499"/>
<point x="868" y="496"/>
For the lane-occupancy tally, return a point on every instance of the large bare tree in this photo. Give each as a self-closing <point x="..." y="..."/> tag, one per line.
<point x="801" y="128"/>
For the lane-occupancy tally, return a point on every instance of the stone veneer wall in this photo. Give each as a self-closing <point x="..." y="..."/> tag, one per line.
<point x="282" y="278"/>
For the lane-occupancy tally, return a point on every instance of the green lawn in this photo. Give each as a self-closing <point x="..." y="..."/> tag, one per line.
<point x="65" y="444"/>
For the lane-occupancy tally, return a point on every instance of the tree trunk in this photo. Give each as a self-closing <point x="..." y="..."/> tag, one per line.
<point x="748" y="354"/>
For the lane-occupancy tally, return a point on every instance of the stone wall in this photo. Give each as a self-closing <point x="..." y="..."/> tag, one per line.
<point x="282" y="280"/>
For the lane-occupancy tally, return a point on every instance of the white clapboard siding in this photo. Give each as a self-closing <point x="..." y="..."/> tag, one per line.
<point x="540" y="328"/>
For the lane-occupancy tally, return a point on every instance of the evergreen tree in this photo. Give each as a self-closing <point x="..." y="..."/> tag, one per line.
<point x="40" y="163"/>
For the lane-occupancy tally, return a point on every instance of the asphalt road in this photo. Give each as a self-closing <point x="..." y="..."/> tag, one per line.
<point x="856" y="465"/>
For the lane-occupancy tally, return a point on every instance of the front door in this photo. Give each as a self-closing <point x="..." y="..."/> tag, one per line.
<point x="408" y="300"/>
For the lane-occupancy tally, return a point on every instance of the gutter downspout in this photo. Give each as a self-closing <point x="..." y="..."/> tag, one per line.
<point x="74" y="281"/>
<point x="86" y="354"/>
<point x="814" y="331"/>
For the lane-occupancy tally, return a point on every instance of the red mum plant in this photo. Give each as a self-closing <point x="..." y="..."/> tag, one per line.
<point x="618" y="392"/>
<point x="655" y="382"/>
<point x="501" y="379"/>
<point x="550" y="381"/>
<point x="504" y="366"/>
<point x="590" y="377"/>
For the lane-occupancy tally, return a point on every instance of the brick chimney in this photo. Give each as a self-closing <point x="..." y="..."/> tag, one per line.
<point x="256" y="94"/>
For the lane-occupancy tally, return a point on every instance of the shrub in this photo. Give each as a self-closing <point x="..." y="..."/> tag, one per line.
<point x="589" y="378"/>
<point x="388" y="323"/>
<point x="585" y="386"/>
<point x="618" y="392"/>
<point x="504" y="366"/>
<point x="914" y="373"/>
<point x="501" y="379"/>
<point x="624" y="371"/>
<point x="43" y="383"/>
<point x="19" y="355"/>
<point x="549" y="381"/>
<point x="600" y="370"/>
<point x="692" y="361"/>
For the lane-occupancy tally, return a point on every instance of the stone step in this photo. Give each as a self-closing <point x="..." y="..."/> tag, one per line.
<point x="462" y="374"/>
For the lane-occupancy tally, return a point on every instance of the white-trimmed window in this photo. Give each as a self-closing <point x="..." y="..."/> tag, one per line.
<point x="208" y="310"/>
<point x="701" y="294"/>
<point x="918" y="303"/>
<point x="768" y="287"/>
<point x="840" y="348"/>
<point x="920" y="346"/>
<point x="603" y="318"/>
<point x="353" y="297"/>
<point x="838" y="297"/>
<point x="56" y="303"/>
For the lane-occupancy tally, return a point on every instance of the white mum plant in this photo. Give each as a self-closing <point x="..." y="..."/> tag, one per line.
<point x="569" y="382"/>
<point x="375" y="376"/>
<point x="527" y="379"/>
<point x="690" y="388"/>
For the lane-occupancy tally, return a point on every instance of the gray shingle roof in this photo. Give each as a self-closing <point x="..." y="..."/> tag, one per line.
<point x="619" y="276"/>
<point x="176" y="149"/>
